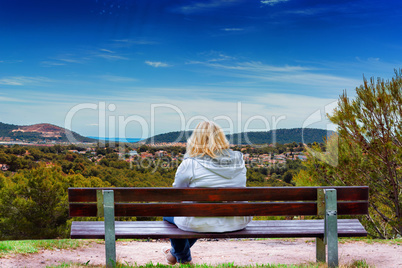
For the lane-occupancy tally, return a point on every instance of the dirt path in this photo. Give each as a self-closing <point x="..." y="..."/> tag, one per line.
<point x="245" y="252"/>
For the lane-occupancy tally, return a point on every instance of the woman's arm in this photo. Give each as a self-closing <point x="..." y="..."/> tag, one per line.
<point x="184" y="174"/>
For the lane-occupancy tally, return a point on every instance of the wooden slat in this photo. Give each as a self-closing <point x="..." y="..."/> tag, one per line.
<point x="219" y="194"/>
<point x="156" y="224"/>
<point x="285" y="228"/>
<point x="126" y="194"/>
<point x="82" y="210"/>
<point x="218" y="209"/>
<point x="353" y="208"/>
<point x="200" y="209"/>
<point x="82" y="194"/>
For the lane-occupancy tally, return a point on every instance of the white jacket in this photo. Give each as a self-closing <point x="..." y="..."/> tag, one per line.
<point x="227" y="170"/>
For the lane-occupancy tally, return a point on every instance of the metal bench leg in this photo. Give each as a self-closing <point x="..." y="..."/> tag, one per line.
<point x="110" y="235"/>
<point x="320" y="251"/>
<point x="331" y="227"/>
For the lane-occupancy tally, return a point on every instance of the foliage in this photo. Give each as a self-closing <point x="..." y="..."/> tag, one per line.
<point x="5" y="129"/>
<point x="33" y="203"/>
<point x="368" y="152"/>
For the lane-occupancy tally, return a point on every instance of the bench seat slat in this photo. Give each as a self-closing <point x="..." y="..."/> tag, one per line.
<point x="257" y="229"/>
<point x="127" y="194"/>
<point x="157" y="224"/>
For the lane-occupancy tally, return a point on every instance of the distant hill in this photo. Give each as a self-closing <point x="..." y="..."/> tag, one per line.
<point x="175" y="136"/>
<point x="282" y="136"/>
<point x="37" y="133"/>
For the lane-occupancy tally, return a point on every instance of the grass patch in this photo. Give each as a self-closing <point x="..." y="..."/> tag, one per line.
<point x="396" y="241"/>
<point x="33" y="246"/>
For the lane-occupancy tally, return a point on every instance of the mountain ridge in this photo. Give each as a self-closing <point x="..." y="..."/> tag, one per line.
<point x="52" y="133"/>
<point x="282" y="136"/>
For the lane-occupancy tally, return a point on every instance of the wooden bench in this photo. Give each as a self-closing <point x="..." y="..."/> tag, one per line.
<point x="262" y="201"/>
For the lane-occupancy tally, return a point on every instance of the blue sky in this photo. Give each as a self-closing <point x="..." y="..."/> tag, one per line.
<point x="138" y="68"/>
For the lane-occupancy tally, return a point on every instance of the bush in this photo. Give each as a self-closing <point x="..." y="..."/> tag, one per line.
<point x="33" y="203"/>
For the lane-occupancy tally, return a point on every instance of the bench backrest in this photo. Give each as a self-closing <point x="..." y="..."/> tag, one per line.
<point x="262" y="201"/>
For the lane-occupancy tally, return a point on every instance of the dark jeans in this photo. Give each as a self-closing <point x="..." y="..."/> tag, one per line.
<point x="180" y="247"/>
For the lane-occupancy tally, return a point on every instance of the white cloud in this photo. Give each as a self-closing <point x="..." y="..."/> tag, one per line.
<point x="63" y="60"/>
<point x="205" y="6"/>
<point x="374" y="59"/>
<point x="213" y="56"/>
<point x="272" y="2"/>
<point x="257" y="71"/>
<point x="232" y="29"/>
<point x="106" y="50"/>
<point x="10" y="61"/>
<point x="39" y="98"/>
<point x="313" y="11"/>
<point x="252" y="67"/>
<point x="118" y="79"/>
<point x="81" y="58"/>
<point x="11" y="82"/>
<point x="257" y="66"/>
<point x="23" y="80"/>
<point x="70" y="60"/>
<point x="127" y="42"/>
<point x="52" y="63"/>
<point x="8" y="99"/>
<point x="112" y="57"/>
<point x="157" y="64"/>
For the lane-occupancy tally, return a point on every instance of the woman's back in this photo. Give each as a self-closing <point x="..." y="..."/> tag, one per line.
<point x="225" y="170"/>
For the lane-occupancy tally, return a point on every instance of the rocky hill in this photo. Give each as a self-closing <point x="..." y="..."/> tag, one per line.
<point x="38" y="133"/>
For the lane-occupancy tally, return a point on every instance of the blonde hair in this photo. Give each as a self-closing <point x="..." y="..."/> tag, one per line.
<point x="207" y="139"/>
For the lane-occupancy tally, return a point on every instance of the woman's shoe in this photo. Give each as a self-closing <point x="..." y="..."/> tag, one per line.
<point x="169" y="257"/>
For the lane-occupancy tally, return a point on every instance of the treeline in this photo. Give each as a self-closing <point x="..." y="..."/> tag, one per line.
<point x="277" y="149"/>
<point x="5" y="129"/>
<point x="276" y="175"/>
<point x="281" y="136"/>
<point x="105" y="164"/>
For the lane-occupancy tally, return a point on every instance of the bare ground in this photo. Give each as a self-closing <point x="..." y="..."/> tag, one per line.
<point x="244" y="252"/>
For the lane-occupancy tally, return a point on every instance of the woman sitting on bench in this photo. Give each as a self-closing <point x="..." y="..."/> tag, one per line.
<point x="208" y="162"/>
